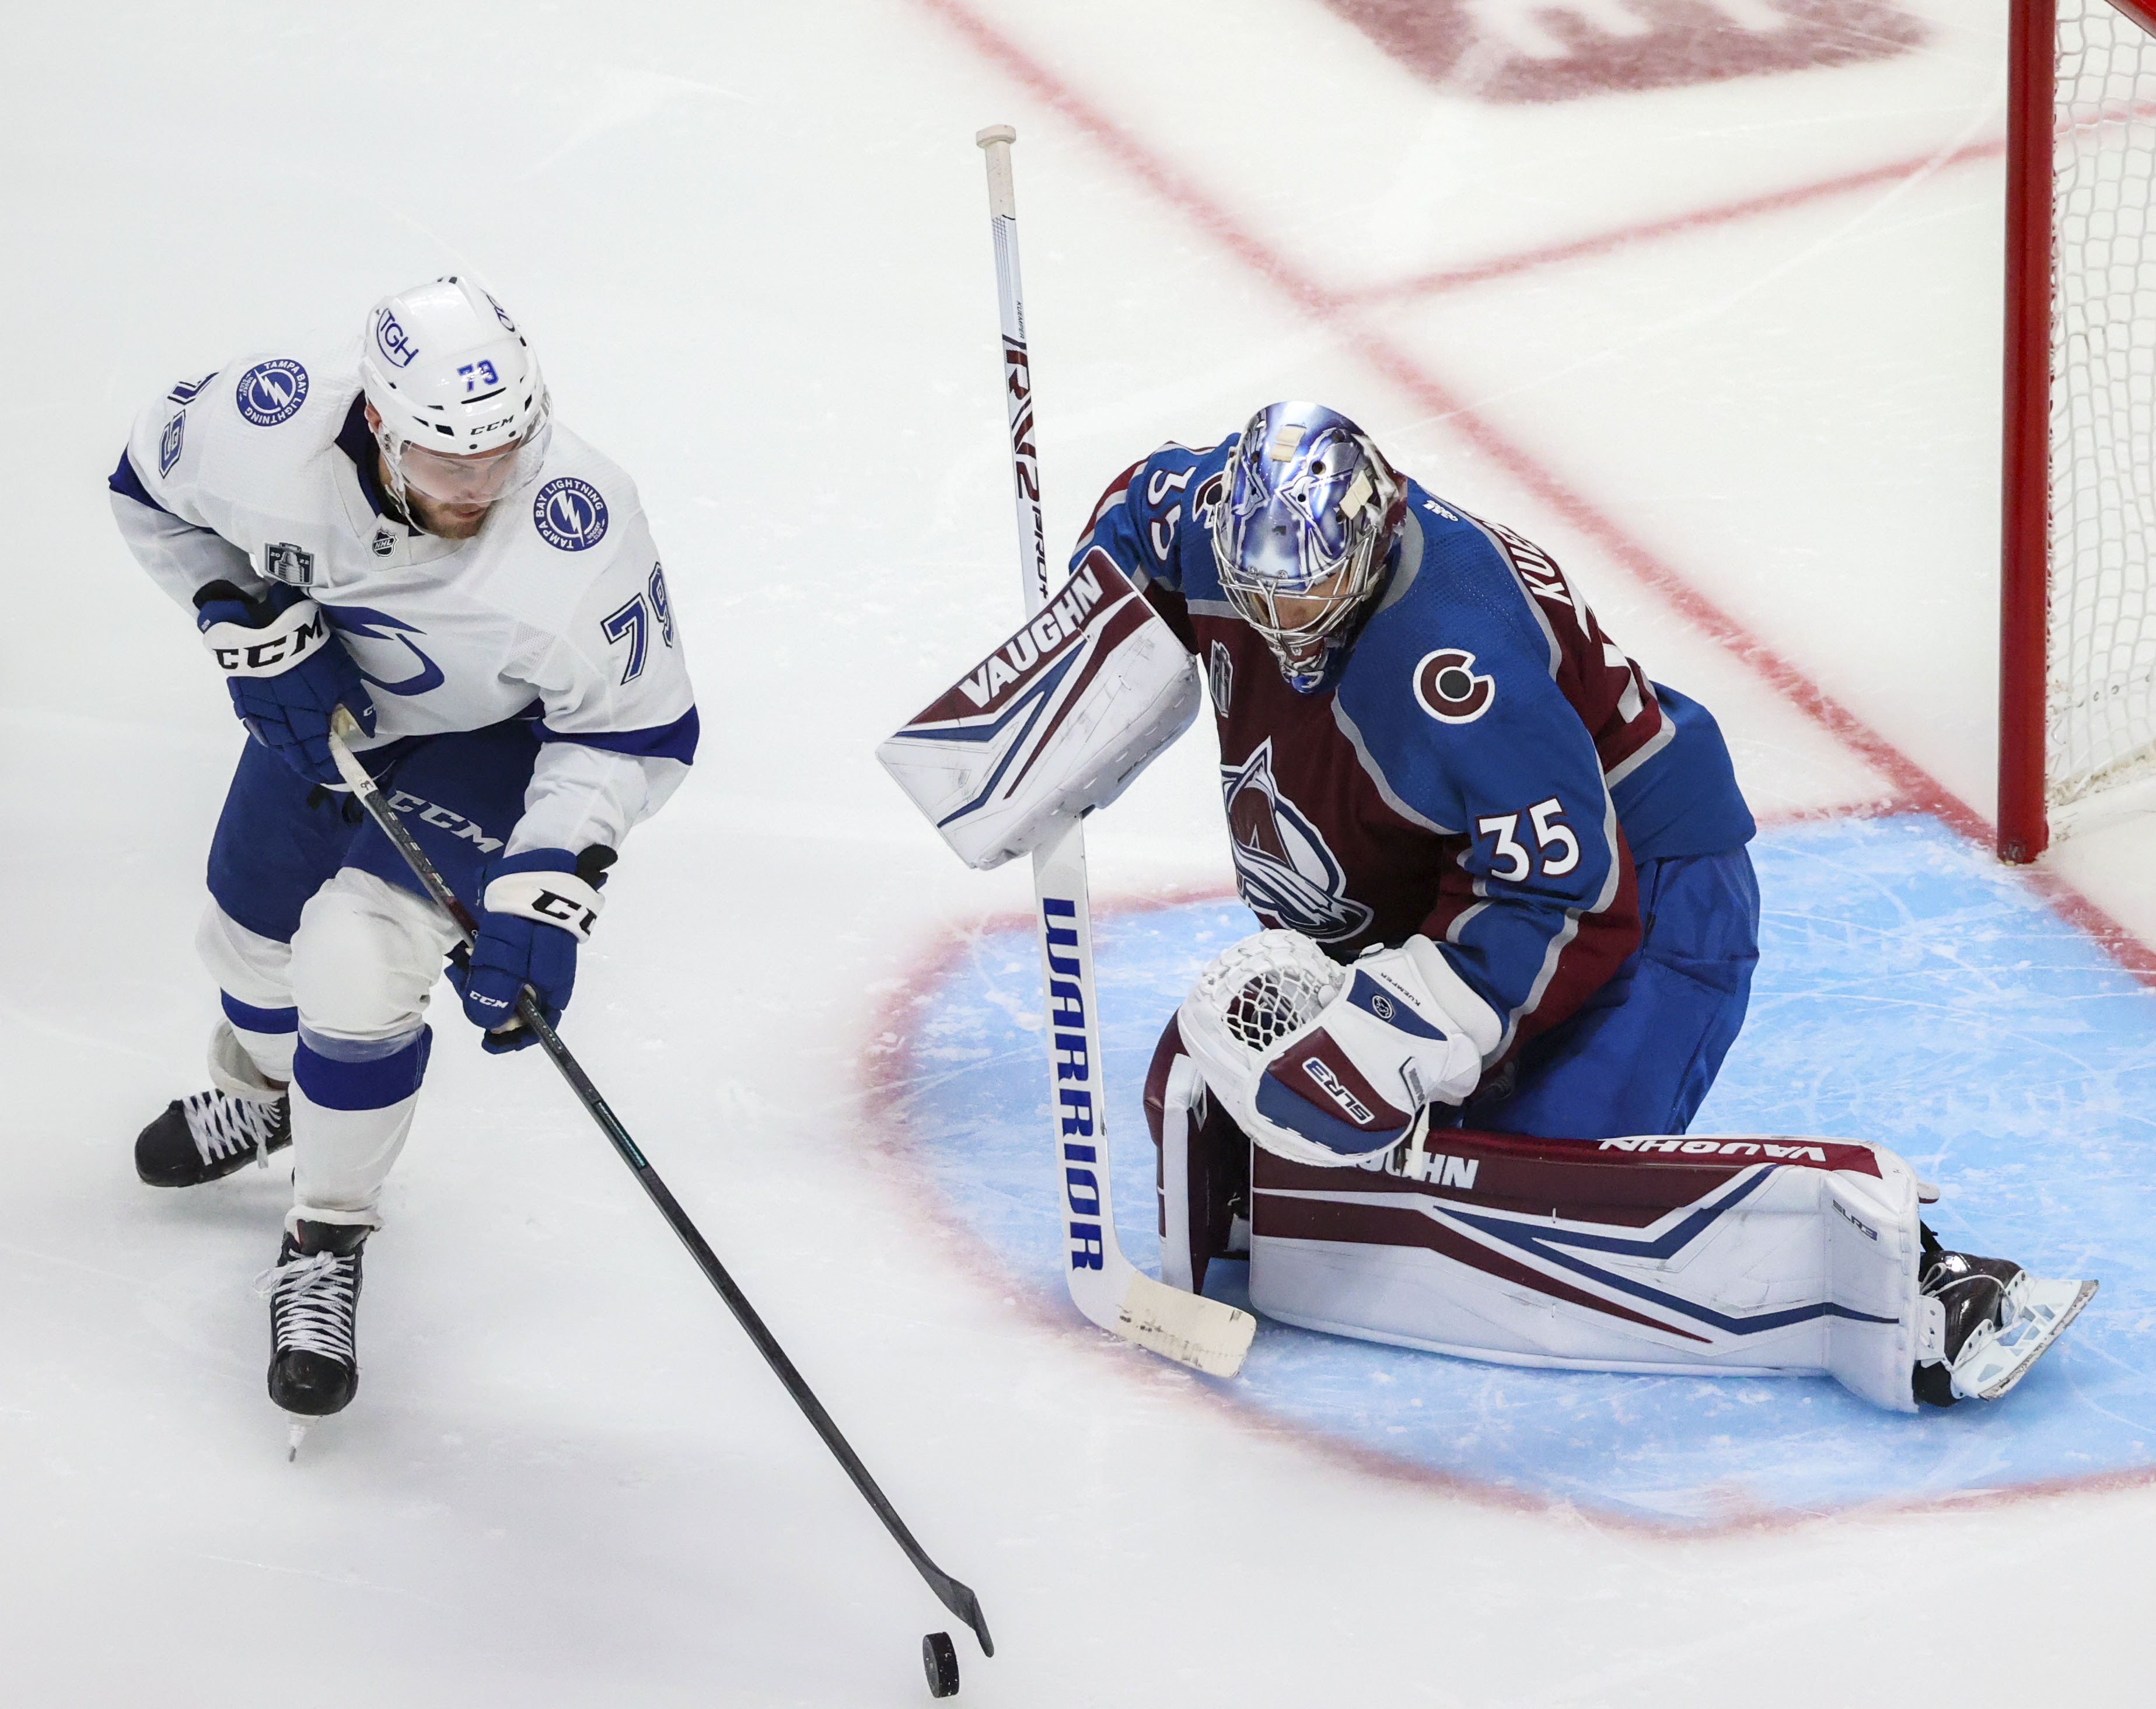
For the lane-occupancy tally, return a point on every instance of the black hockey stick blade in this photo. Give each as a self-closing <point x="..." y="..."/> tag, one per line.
<point x="961" y="1602"/>
<point x="958" y="1597"/>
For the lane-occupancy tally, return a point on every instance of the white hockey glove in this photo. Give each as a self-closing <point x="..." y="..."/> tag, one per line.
<point x="1326" y="1065"/>
<point x="1057" y="721"/>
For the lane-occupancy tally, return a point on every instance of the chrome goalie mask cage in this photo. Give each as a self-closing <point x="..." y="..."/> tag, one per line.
<point x="1309" y="512"/>
<point x="464" y="413"/>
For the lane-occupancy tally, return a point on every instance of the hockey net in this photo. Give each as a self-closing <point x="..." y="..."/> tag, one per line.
<point x="2078" y="658"/>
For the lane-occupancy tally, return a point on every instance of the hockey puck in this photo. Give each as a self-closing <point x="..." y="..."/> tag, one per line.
<point x="941" y="1663"/>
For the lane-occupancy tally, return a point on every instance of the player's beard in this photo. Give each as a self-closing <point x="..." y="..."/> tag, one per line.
<point x="447" y="521"/>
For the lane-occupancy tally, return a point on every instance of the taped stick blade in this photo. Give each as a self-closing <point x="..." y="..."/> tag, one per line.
<point x="1207" y="1335"/>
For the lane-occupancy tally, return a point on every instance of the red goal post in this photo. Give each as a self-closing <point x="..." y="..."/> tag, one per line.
<point x="2077" y="641"/>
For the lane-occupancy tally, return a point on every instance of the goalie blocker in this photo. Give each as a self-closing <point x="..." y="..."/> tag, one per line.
<point x="1055" y="722"/>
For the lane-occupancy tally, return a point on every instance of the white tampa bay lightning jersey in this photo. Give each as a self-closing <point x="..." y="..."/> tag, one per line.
<point x="557" y="608"/>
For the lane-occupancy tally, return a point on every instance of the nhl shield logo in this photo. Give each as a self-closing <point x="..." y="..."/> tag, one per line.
<point x="569" y="514"/>
<point x="272" y="392"/>
<point x="1283" y="868"/>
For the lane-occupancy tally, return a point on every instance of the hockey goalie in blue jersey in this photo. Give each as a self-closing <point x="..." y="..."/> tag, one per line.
<point x="1442" y="1099"/>
<point x="400" y="527"/>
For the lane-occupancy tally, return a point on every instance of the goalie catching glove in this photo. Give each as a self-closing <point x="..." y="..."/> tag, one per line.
<point x="1326" y="1065"/>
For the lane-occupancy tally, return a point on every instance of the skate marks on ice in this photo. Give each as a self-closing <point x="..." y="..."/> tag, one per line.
<point x="1910" y="992"/>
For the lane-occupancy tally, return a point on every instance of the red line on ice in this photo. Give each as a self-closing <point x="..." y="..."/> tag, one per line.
<point x="1701" y="220"/>
<point x="1915" y="787"/>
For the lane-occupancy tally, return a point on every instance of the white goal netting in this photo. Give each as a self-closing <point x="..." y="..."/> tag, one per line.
<point x="2100" y="714"/>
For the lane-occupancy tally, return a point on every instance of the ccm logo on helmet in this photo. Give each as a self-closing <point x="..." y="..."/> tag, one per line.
<point x="569" y="514"/>
<point x="1449" y="690"/>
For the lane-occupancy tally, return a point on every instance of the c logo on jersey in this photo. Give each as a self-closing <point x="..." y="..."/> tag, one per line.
<point x="569" y="514"/>
<point x="1283" y="868"/>
<point x="168" y="447"/>
<point x="271" y="392"/>
<point x="392" y="340"/>
<point x="1449" y="690"/>
<point x="360" y="622"/>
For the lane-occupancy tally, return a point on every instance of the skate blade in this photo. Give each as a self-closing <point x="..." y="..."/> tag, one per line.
<point x="2047" y="1307"/>
<point x="299" y="1435"/>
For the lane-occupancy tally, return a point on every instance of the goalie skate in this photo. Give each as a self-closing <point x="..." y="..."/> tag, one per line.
<point x="2035" y="1313"/>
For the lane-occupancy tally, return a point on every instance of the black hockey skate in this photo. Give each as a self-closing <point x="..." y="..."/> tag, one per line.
<point x="1997" y="1320"/>
<point x="240" y="1120"/>
<point x="314" y="1318"/>
<point x="209" y="1136"/>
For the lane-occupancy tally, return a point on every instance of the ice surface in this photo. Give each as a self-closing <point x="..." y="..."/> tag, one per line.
<point x="1908" y="993"/>
<point x="751" y="243"/>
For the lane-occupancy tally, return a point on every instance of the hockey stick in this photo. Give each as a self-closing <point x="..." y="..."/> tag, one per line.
<point x="1205" y="1334"/>
<point x="954" y="1596"/>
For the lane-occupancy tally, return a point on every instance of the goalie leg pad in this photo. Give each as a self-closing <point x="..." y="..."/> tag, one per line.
<point x="1203" y="1168"/>
<point x="1748" y="1254"/>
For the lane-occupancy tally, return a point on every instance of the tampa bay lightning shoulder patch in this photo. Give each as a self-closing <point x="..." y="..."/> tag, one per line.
<point x="569" y="514"/>
<point x="272" y="392"/>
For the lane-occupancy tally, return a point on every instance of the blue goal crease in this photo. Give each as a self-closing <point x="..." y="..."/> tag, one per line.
<point x="1909" y="992"/>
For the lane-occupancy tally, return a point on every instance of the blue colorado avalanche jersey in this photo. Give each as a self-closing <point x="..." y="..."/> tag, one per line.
<point x="1483" y="765"/>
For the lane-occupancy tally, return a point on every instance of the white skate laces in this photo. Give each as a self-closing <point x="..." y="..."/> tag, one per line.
<point x="314" y="1304"/>
<point x="222" y="1125"/>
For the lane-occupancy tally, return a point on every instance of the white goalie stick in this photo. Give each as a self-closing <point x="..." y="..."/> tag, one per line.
<point x="1205" y="1334"/>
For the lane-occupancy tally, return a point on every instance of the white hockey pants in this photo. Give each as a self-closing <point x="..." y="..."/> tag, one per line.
<point x="354" y="981"/>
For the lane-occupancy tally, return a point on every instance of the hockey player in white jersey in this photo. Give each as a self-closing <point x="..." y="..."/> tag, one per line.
<point x="399" y="525"/>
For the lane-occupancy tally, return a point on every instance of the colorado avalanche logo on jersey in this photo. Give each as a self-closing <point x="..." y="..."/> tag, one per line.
<point x="569" y="514"/>
<point x="1448" y="689"/>
<point x="1283" y="868"/>
<point x="271" y="392"/>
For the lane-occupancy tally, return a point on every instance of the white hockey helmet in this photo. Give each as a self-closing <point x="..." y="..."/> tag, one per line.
<point x="464" y="406"/>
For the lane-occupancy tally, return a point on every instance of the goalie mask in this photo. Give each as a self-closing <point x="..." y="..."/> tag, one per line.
<point x="463" y="405"/>
<point x="1302" y="535"/>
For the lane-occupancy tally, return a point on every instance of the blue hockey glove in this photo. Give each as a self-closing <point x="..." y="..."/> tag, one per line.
<point x="285" y="670"/>
<point x="537" y="909"/>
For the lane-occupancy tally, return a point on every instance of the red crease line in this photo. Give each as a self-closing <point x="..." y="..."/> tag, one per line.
<point x="1701" y="220"/>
